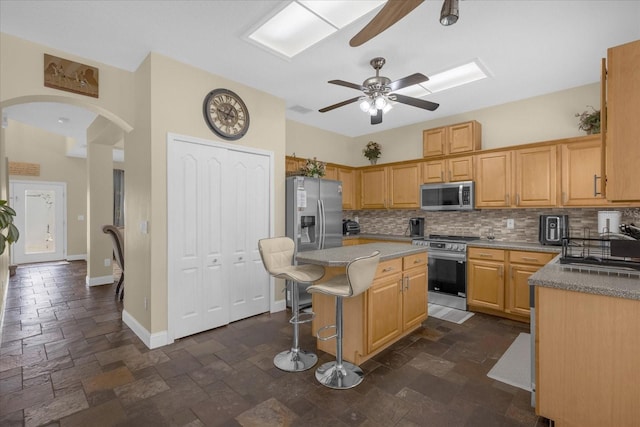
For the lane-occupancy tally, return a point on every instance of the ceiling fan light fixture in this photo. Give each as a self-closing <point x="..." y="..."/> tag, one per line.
<point x="380" y="102"/>
<point x="365" y="105"/>
<point x="449" y="13"/>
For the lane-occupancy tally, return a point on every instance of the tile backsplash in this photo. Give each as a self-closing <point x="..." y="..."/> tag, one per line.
<point x="479" y="222"/>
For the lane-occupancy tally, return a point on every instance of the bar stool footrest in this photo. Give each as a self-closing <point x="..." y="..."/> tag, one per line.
<point x="324" y="328"/>
<point x="302" y="318"/>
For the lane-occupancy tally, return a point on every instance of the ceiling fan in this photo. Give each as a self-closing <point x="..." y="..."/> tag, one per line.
<point x="378" y="92"/>
<point x="395" y="10"/>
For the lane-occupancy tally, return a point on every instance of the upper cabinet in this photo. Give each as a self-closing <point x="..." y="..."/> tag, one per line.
<point x="448" y="170"/>
<point x="348" y="178"/>
<point x="517" y="178"/>
<point x="581" y="179"/>
<point x="623" y="126"/>
<point x="394" y="186"/>
<point x="454" y="139"/>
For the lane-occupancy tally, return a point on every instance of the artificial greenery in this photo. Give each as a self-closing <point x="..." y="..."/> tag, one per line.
<point x="589" y="121"/>
<point x="314" y="167"/>
<point x="8" y="232"/>
<point x="373" y="150"/>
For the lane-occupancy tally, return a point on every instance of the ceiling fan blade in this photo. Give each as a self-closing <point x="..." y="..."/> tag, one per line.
<point x="377" y="119"/>
<point x="391" y="13"/>
<point x="346" y="84"/>
<point x="339" y="104"/>
<point x="411" y="80"/>
<point x="415" y="102"/>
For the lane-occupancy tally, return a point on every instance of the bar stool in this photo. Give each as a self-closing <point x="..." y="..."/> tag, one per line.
<point x="277" y="257"/>
<point x="360" y="272"/>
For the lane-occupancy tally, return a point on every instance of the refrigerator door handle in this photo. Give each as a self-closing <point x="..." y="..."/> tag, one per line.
<point x="320" y="224"/>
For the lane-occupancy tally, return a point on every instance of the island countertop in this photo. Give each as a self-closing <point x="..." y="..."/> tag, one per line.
<point x="340" y="257"/>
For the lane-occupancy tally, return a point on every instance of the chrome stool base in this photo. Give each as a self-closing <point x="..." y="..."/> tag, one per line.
<point x="330" y="376"/>
<point x="295" y="360"/>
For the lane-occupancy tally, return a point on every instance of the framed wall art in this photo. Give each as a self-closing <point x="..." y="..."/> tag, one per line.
<point x="70" y="76"/>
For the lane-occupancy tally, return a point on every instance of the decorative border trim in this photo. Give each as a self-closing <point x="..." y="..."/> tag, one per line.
<point x="152" y="341"/>
<point x="277" y="306"/>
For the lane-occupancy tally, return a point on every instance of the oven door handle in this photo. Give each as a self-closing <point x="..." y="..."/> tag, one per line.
<point x="447" y="256"/>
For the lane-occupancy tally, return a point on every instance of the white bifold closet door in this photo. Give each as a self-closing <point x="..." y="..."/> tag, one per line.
<point x="218" y="210"/>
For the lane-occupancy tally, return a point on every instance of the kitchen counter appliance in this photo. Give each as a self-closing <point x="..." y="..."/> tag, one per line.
<point x="313" y="216"/>
<point x="450" y="196"/>
<point x="416" y="227"/>
<point x="350" y="227"/>
<point x="552" y="229"/>
<point x="447" y="258"/>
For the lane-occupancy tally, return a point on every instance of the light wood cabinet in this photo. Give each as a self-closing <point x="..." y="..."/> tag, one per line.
<point x="453" y="139"/>
<point x="587" y="349"/>
<point x="581" y="176"/>
<point x="498" y="280"/>
<point x="535" y="176"/>
<point x="517" y="178"/>
<point x="394" y="186"/>
<point x="348" y="178"/>
<point x="448" y="170"/>
<point x="493" y="179"/>
<point x="330" y="172"/>
<point x="623" y="126"/>
<point x="393" y="307"/>
<point x="293" y="164"/>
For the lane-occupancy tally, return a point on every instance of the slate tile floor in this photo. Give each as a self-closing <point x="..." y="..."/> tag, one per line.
<point x="67" y="359"/>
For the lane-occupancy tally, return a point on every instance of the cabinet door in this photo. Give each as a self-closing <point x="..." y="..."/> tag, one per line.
<point x="486" y="284"/>
<point x="433" y="172"/>
<point x="582" y="174"/>
<point x="517" y="298"/>
<point x="460" y="169"/>
<point x="414" y="297"/>
<point x="331" y="172"/>
<point x="348" y="178"/>
<point x="373" y="186"/>
<point x="384" y="311"/>
<point x="433" y="142"/>
<point x="493" y="179"/>
<point x="292" y="164"/>
<point x="535" y="183"/>
<point x="462" y="138"/>
<point x="404" y="181"/>
<point x="623" y="110"/>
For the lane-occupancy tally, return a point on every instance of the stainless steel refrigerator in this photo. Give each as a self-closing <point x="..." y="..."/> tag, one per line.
<point x="314" y="218"/>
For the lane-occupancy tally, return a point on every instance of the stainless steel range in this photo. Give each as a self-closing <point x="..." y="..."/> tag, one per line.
<point x="447" y="269"/>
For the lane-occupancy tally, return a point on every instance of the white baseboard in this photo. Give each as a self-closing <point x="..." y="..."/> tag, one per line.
<point x="152" y="341"/>
<point x="97" y="281"/>
<point x="277" y="306"/>
<point x="80" y="257"/>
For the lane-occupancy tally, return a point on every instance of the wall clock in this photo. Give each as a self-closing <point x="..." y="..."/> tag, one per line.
<point x="226" y="114"/>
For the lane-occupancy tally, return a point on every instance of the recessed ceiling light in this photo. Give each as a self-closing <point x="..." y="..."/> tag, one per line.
<point x="301" y="24"/>
<point x="453" y="77"/>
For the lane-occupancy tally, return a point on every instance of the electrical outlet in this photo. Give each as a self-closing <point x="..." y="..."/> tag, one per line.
<point x="107" y="262"/>
<point x="511" y="224"/>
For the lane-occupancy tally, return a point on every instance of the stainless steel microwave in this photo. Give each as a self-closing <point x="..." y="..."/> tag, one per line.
<point x="450" y="196"/>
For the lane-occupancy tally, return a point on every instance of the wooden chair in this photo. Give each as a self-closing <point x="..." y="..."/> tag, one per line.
<point x="117" y="238"/>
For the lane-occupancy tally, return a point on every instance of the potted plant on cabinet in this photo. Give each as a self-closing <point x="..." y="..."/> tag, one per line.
<point x="314" y="168"/>
<point x="372" y="151"/>
<point x="589" y="121"/>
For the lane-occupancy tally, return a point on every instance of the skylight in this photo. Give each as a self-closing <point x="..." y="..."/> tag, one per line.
<point x="303" y="23"/>
<point x="453" y="77"/>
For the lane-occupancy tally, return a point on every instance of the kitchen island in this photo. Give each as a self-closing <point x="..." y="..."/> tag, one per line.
<point x="394" y="306"/>
<point x="587" y="346"/>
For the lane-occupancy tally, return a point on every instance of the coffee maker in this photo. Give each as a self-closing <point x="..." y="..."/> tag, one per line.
<point x="416" y="227"/>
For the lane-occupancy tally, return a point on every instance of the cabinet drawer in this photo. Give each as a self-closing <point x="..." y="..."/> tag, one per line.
<point x="413" y="261"/>
<point x="389" y="267"/>
<point x="484" y="253"/>
<point x="535" y="258"/>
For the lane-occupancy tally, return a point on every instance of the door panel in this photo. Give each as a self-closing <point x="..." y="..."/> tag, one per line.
<point x="40" y="217"/>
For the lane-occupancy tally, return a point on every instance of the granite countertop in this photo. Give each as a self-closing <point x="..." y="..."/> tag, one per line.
<point x="567" y="277"/>
<point x="518" y="246"/>
<point x="340" y="257"/>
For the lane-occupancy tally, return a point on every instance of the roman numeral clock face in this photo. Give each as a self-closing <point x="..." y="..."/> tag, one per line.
<point x="226" y="114"/>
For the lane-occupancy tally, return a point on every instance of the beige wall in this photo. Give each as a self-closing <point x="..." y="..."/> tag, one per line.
<point x="308" y="142"/>
<point x="175" y="105"/>
<point x="32" y="145"/>
<point x="535" y="119"/>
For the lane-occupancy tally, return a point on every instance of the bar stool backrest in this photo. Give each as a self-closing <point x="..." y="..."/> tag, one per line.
<point x="361" y="271"/>
<point x="276" y="253"/>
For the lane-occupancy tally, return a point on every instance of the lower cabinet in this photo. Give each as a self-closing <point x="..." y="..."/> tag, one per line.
<point x="394" y="306"/>
<point x="498" y="280"/>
